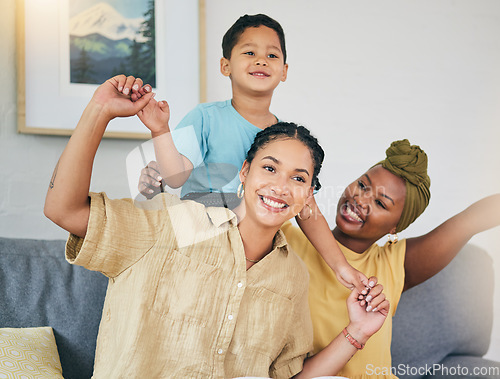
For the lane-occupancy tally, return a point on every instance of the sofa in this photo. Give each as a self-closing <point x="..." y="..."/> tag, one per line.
<point x="445" y="321"/>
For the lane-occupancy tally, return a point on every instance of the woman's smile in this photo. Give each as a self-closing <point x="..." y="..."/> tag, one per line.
<point x="273" y="204"/>
<point x="351" y="213"/>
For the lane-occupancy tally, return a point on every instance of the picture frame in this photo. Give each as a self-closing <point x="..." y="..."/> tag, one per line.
<point x="48" y="103"/>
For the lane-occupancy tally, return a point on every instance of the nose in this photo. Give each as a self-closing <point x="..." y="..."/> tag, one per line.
<point x="363" y="201"/>
<point x="261" y="61"/>
<point x="280" y="186"/>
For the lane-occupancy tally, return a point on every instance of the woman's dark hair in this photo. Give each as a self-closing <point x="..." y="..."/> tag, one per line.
<point x="233" y="34"/>
<point x="289" y="130"/>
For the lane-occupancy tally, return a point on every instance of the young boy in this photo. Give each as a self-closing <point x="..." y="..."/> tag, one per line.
<point x="206" y="150"/>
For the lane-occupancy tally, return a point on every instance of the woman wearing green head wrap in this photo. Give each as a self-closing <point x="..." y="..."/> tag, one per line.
<point x="383" y="201"/>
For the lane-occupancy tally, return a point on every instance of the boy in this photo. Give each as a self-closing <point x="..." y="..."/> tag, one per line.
<point x="254" y="58"/>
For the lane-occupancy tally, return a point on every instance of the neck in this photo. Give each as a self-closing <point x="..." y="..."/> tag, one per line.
<point x="254" y="109"/>
<point x="257" y="239"/>
<point x="355" y="244"/>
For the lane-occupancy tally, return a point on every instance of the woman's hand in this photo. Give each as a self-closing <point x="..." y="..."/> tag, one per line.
<point x="367" y="313"/>
<point x="116" y="96"/>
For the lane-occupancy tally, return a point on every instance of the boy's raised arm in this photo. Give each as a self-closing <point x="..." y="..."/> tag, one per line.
<point x="67" y="203"/>
<point x="316" y="229"/>
<point x="174" y="167"/>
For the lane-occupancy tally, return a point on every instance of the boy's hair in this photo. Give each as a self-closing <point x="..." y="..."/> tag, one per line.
<point x="233" y="34"/>
<point x="289" y="130"/>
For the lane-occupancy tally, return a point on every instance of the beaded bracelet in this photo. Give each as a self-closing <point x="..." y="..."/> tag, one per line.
<point x="352" y="340"/>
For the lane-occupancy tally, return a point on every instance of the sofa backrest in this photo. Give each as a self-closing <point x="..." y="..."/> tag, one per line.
<point x="448" y="315"/>
<point x="39" y="288"/>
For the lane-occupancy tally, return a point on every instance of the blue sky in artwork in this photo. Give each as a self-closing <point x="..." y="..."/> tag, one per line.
<point x="128" y="8"/>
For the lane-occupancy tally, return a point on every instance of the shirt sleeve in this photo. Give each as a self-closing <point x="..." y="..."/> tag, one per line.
<point x="191" y="135"/>
<point x="119" y="233"/>
<point x="299" y="341"/>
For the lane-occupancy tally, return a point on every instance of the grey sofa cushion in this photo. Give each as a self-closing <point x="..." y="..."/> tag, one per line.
<point x="449" y="314"/>
<point x="39" y="288"/>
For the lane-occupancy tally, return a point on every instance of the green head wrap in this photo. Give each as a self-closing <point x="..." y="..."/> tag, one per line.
<point x="410" y="163"/>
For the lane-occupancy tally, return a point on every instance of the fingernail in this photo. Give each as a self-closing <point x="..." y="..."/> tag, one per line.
<point x="150" y="191"/>
<point x="369" y="298"/>
<point x="157" y="184"/>
<point x="126" y="91"/>
<point x="371" y="284"/>
<point x="147" y="89"/>
<point x="136" y="87"/>
<point x="120" y="88"/>
<point x="369" y="308"/>
<point x="364" y="292"/>
<point x="375" y="309"/>
<point x="159" y="178"/>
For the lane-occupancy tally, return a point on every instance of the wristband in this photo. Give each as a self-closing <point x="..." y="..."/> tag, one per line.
<point x="352" y="340"/>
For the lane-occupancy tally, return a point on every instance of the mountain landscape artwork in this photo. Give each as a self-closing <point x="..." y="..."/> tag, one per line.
<point x="108" y="38"/>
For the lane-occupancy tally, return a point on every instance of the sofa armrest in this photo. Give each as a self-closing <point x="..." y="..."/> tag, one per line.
<point x="39" y="288"/>
<point x="449" y="314"/>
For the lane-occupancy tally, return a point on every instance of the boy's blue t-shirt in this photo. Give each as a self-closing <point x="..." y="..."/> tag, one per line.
<point x="216" y="139"/>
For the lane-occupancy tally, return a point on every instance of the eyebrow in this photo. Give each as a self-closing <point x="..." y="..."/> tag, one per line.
<point x="278" y="162"/>
<point x="382" y="194"/>
<point x="252" y="44"/>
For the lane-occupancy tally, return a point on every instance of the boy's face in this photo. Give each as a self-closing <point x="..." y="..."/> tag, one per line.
<point x="256" y="64"/>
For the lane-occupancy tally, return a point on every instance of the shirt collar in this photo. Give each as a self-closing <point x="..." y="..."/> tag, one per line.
<point x="280" y="243"/>
<point x="221" y="215"/>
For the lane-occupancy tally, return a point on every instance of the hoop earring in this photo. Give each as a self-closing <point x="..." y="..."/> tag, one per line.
<point x="241" y="190"/>
<point x="392" y="238"/>
<point x="310" y="213"/>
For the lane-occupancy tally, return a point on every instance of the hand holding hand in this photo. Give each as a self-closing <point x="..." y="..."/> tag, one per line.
<point x="115" y="96"/>
<point x="155" y="115"/>
<point x="351" y="278"/>
<point x="367" y="313"/>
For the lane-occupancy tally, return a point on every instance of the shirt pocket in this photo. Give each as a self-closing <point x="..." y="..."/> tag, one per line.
<point x="263" y="323"/>
<point x="187" y="290"/>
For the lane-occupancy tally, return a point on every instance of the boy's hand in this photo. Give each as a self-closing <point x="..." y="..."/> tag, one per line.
<point x="367" y="313"/>
<point x="155" y="115"/>
<point x="351" y="278"/>
<point x="114" y="96"/>
<point x="150" y="183"/>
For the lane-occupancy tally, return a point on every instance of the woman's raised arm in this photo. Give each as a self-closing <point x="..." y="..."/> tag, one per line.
<point x="428" y="254"/>
<point x="67" y="203"/>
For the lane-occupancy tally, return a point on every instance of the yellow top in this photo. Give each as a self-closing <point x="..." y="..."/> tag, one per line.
<point x="327" y="299"/>
<point x="180" y="302"/>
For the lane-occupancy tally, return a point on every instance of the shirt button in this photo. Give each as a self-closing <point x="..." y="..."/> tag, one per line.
<point x="230" y="317"/>
<point x="219" y="351"/>
<point x="240" y="285"/>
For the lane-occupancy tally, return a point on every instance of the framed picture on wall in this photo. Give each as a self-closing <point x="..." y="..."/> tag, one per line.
<point x="67" y="48"/>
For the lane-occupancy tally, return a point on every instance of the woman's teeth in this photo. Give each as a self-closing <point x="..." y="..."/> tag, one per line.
<point x="351" y="213"/>
<point x="272" y="203"/>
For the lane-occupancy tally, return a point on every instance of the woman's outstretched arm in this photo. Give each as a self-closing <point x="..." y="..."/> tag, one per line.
<point x="428" y="254"/>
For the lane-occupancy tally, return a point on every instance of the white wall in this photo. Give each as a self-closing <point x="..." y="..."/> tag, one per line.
<point x="362" y="74"/>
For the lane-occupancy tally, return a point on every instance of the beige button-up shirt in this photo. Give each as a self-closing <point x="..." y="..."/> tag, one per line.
<point x="180" y="302"/>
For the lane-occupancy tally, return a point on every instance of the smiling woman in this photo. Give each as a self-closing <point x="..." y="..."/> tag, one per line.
<point x="386" y="199"/>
